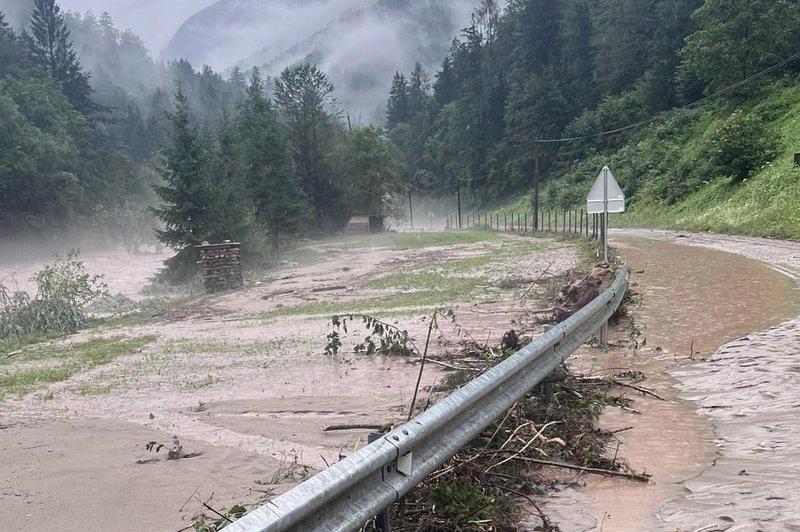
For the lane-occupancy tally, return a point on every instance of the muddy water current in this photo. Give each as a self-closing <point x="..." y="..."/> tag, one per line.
<point x="719" y="447"/>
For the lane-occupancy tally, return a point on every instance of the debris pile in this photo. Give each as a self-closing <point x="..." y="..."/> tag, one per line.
<point x="580" y="291"/>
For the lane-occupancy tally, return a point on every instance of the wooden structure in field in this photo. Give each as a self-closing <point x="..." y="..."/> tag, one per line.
<point x="221" y="266"/>
<point x="364" y="224"/>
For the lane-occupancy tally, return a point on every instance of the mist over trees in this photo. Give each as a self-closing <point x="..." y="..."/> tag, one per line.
<point x="96" y="135"/>
<point x="538" y="70"/>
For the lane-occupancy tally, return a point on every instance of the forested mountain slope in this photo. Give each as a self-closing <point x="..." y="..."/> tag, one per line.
<point x="692" y="103"/>
<point x="360" y="43"/>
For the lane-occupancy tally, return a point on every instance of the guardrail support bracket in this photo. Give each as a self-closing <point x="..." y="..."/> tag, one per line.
<point x="404" y="464"/>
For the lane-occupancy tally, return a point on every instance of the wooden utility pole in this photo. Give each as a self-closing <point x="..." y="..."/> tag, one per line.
<point x="459" y="204"/>
<point x="536" y="190"/>
<point x="410" y="209"/>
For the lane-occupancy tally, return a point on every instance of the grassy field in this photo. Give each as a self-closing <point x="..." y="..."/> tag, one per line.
<point x="19" y="374"/>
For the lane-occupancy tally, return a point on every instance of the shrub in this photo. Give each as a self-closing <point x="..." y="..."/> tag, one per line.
<point x="64" y="290"/>
<point x="742" y="145"/>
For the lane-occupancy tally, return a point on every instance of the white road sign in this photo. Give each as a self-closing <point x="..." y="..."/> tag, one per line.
<point x="606" y="194"/>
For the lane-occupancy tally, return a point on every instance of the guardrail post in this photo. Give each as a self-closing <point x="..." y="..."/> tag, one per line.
<point x="602" y="335"/>
<point x="383" y="522"/>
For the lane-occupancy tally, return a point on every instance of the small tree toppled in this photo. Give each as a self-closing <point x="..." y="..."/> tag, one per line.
<point x="64" y="290"/>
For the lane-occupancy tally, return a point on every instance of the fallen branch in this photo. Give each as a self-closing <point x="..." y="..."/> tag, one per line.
<point x="331" y="428"/>
<point x="641" y="477"/>
<point x="528" y="291"/>
<point x="616" y="382"/>
<point x="445" y="365"/>
<point x="328" y="288"/>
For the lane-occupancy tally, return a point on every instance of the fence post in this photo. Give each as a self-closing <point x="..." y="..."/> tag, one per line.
<point x="526" y="221"/>
<point x="505" y="221"/>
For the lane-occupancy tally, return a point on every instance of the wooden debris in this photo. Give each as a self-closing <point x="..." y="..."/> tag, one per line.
<point x="221" y="266"/>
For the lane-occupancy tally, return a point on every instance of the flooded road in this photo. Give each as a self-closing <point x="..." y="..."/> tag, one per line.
<point x="694" y="300"/>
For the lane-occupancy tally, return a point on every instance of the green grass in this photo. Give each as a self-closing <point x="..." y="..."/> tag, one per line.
<point x="44" y="365"/>
<point x="426" y="240"/>
<point x="410" y="240"/>
<point x="427" y="298"/>
<point x="766" y="204"/>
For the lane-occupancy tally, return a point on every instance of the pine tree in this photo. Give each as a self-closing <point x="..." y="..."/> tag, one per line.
<point x="11" y="54"/>
<point x="186" y="211"/>
<point x="280" y="205"/>
<point x="303" y="95"/>
<point x="398" y="110"/>
<point x="49" y="46"/>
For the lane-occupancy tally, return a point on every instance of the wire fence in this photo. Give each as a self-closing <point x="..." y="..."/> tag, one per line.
<point x="571" y="222"/>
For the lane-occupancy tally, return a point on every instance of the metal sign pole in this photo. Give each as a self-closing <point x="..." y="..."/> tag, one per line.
<point x="605" y="215"/>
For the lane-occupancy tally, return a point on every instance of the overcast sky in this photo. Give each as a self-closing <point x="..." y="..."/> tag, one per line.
<point x="155" y="21"/>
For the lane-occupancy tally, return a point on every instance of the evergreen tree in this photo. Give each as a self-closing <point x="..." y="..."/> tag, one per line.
<point x="444" y="89"/>
<point x="187" y="210"/>
<point x="305" y="104"/>
<point x="397" y="109"/>
<point x="49" y="46"/>
<point x="280" y="205"/>
<point x="11" y="53"/>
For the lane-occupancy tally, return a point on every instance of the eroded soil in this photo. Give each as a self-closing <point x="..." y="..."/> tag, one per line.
<point x="242" y="380"/>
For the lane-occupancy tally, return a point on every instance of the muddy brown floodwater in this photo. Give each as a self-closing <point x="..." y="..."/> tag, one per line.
<point x="693" y="301"/>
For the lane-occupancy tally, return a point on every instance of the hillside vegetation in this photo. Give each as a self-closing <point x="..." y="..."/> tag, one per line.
<point x="668" y="170"/>
<point x="692" y="103"/>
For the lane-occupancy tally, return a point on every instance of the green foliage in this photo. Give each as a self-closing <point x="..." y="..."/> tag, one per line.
<point x="49" y="47"/>
<point x="280" y="205"/>
<point x="738" y="38"/>
<point x="383" y="339"/>
<point x="463" y="504"/>
<point x="64" y="291"/>
<point x="373" y="177"/>
<point x="304" y="99"/>
<point x="205" y="524"/>
<point x="742" y="145"/>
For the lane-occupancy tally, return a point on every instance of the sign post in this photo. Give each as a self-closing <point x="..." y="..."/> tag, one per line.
<point x="605" y="197"/>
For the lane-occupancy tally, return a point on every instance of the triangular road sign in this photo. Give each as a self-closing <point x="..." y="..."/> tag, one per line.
<point x="606" y="194"/>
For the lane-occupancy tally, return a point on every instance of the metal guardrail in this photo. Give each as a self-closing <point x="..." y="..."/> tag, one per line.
<point x="349" y="493"/>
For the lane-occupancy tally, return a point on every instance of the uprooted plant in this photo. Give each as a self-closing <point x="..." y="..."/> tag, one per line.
<point x="64" y="290"/>
<point x="388" y="340"/>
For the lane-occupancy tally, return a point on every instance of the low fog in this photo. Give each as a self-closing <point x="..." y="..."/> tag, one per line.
<point x="360" y="43"/>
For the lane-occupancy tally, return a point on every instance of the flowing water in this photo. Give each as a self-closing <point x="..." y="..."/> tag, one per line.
<point x="693" y="301"/>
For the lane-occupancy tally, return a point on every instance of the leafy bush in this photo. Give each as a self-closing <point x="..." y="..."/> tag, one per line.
<point x="741" y="145"/>
<point x="64" y="290"/>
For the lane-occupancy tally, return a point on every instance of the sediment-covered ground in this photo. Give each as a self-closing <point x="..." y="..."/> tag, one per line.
<point x="240" y="378"/>
<point x="718" y="446"/>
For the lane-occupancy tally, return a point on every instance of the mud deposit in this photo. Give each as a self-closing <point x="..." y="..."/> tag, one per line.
<point x="748" y="388"/>
<point x="242" y="380"/>
<point x="693" y="300"/>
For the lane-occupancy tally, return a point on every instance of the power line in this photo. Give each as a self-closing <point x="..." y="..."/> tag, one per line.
<point x="686" y="106"/>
